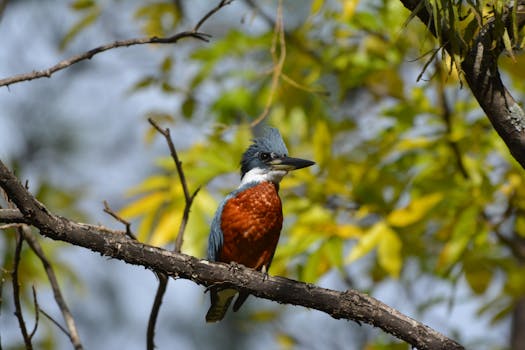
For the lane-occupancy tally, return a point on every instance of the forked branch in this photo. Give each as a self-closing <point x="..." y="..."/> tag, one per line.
<point x="188" y="199"/>
<point x="350" y="304"/>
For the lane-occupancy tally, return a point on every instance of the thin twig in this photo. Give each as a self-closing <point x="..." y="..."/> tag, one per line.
<point x="446" y="114"/>
<point x="89" y="54"/>
<point x="211" y="13"/>
<point x="187" y="197"/>
<point x="194" y="33"/>
<point x="16" y="291"/>
<point x="55" y="322"/>
<point x="173" y="153"/>
<point x="155" y="308"/>
<point x="516" y="245"/>
<point x="289" y="36"/>
<point x="278" y="62"/>
<point x="8" y="226"/>
<point x="115" y="216"/>
<point x="35" y="303"/>
<point x="299" y="86"/>
<point x="66" y="313"/>
<point x="163" y="279"/>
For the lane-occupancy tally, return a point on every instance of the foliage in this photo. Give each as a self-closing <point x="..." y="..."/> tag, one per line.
<point x="408" y="169"/>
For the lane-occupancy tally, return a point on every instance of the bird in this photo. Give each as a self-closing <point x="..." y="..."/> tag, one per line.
<point x="247" y="224"/>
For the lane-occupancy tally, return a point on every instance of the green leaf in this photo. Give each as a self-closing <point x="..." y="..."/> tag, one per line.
<point x="478" y="276"/>
<point x="158" y="18"/>
<point x="82" y="4"/>
<point x="462" y="232"/>
<point x="415" y="211"/>
<point x="508" y="44"/>
<point x="322" y="143"/>
<point x="389" y="253"/>
<point x="82" y="24"/>
<point x="310" y="271"/>
<point x="166" y="65"/>
<point x="368" y="242"/>
<point x="143" y="83"/>
<point x="167" y="227"/>
<point x="316" y="6"/>
<point x="188" y="107"/>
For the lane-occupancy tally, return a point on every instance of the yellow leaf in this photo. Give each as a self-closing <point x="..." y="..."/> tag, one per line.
<point x="143" y="205"/>
<point x="349" y="231"/>
<point x="322" y="142"/>
<point x="316" y="6"/>
<point x="315" y="266"/>
<point x="475" y="168"/>
<point x="414" y="211"/>
<point x="145" y="226"/>
<point x="349" y="7"/>
<point x="464" y="229"/>
<point x="508" y="44"/>
<point x="82" y="24"/>
<point x="513" y="182"/>
<point x="369" y="241"/>
<point x="477" y="276"/>
<point x="389" y="252"/>
<point x="413" y="143"/>
<point x="315" y="215"/>
<point x="286" y="341"/>
<point x="167" y="228"/>
<point x="263" y="315"/>
<point x="152" y="183"/>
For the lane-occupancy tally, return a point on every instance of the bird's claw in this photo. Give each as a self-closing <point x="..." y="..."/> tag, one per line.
<point x="264" y="271"/>
<point x="234" y="266"/>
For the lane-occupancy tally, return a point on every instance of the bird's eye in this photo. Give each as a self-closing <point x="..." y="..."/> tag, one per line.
<point x="264" y="156"/>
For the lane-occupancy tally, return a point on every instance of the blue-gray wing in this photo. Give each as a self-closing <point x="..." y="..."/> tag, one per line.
<point x="216" y="238"/>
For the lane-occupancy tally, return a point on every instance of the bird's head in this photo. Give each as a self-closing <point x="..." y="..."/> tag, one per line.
<point x="267" y="159"/>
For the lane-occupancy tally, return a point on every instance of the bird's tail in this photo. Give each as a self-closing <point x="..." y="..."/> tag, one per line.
<point x="220" y="301"/>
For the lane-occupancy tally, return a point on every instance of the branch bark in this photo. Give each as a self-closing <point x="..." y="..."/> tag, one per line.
<point x="349" y="304"/>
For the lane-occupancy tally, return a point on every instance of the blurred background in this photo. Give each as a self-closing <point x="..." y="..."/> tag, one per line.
<point x="414" y="199"/>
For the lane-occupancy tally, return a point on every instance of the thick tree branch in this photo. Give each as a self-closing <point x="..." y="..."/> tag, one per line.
<point x="350" y="304"/>
<point x="12" y="216"/>
<point x="480" y="69"/>
<point x="194" y="33"/>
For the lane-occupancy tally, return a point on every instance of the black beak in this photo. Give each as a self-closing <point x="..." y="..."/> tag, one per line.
<point x="289" y="163"/>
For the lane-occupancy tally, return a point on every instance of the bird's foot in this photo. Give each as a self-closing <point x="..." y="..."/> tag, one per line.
<point x="234" y="266"/>
<point x="264" y="271"/>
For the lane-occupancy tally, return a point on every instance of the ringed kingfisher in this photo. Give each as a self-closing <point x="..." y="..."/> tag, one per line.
<point x="248" y="222"/>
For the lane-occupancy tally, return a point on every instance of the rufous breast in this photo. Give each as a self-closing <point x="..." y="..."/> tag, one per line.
<point x="251" y="224"/>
